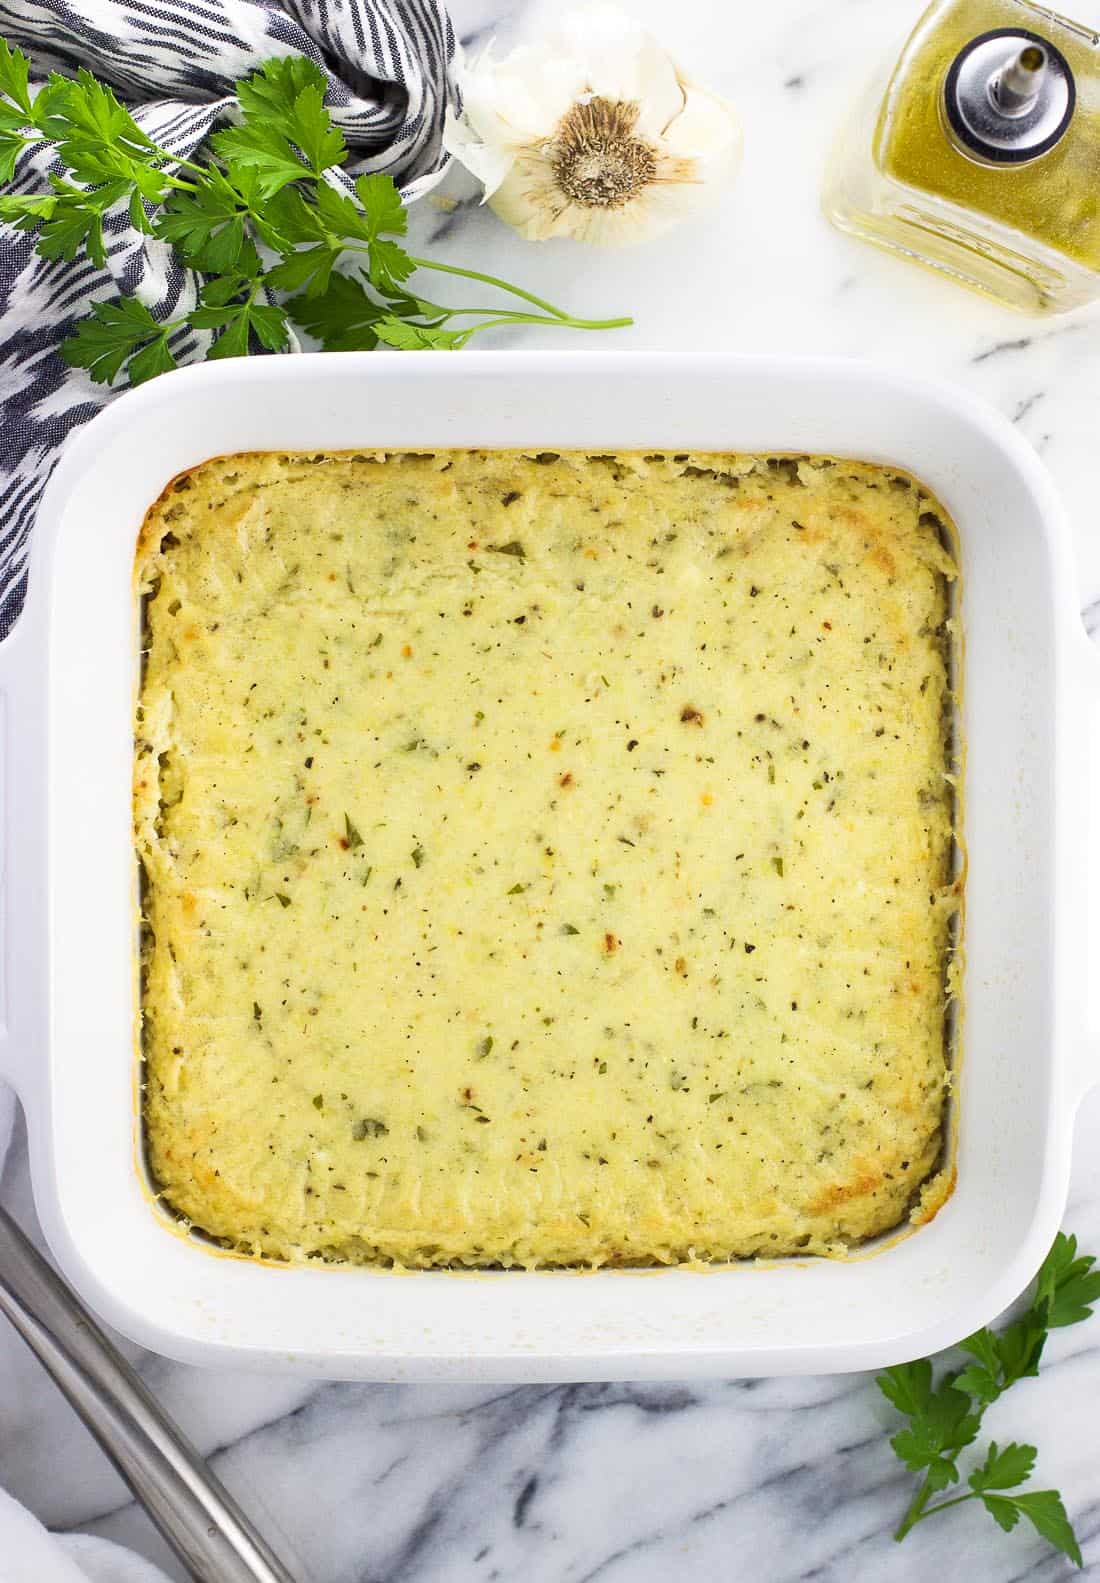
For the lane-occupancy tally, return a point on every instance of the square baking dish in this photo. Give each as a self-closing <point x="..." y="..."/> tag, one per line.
<point x="68" y="675"/>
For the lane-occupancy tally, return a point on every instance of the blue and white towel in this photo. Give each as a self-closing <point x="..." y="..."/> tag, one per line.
<point x="174" y="63"/>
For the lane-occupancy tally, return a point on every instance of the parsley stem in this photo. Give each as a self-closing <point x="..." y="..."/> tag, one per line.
<point x="186" y="164"/>
<point x="915" y="1512"/>
<point x="517" y="316"/>
<point x="920" y="1509"/>
<point x="515" y="291"/>
<point x="501" y="285"/>
<point x="551" y="314"/>
<point x="541" y="318"/>
<point x="160" y="152"/>
<point x="943" y="1505"/>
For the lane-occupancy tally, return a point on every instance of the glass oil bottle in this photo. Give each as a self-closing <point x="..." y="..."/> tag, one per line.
<point x="980" y="156"/>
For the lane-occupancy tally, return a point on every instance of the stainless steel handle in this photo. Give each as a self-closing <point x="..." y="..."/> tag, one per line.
<point x="195" y="1513"/>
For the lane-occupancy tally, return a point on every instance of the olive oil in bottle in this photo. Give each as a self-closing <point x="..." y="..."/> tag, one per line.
<point x="981" y="156"/>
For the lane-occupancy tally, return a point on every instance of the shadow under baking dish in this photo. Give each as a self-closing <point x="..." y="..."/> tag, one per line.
<point x="952" y="979"/>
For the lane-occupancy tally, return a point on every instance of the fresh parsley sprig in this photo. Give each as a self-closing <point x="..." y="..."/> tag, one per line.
<point x="944" y="1419"/>
<point x="275" y="240"/>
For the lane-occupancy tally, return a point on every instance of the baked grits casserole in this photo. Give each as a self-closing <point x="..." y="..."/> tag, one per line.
<point x="547" y="859"/>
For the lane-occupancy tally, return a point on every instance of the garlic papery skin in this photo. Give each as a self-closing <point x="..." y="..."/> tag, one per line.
<point x="593" y="133"/>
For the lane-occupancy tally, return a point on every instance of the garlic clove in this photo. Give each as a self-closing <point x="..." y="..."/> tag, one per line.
<point x="489" y="161"/>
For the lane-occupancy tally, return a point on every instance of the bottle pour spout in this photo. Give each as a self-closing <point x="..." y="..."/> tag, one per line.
<point x="1016" y="88"/>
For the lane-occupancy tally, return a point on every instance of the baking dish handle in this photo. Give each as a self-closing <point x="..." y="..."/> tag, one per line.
<point x="1090" y="667"/>
<point x="22" y="852"/>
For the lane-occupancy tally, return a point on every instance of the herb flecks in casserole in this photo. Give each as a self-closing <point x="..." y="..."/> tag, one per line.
<point x="548" y="856"/>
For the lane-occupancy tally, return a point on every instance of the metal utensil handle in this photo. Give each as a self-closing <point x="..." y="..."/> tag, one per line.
<point x="192" y="1509"/>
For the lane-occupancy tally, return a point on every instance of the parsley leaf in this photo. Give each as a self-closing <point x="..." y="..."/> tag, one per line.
<point x="26" y="210"/>
<point x="267" y="323"/>
<point x="1069" y="1286"/>
<point x="236" y="322"/>
<point x="981" y="1379"/>
<point x="1020" y="1347"/>
<point x="15" y="77"/>
<point x="310" y="127"/>
<point x="408" y="337"/>
<point x="343" y="317"/>
<point x="907" y="1386"/>
<point x="309" y="268"/>
<point x="320" y="225"/>
<point x="75" y="221"/>
<point x="390" y="265"/>
<point x="270" y="92"/>
<point x="1065" y="1289"/>
<point x="944" y="1420"/>
<point x="206" y="227"/>
<point x="382" y="205"/>
<point x="263" y="150"/>
<point x="218" y="293"/>
<point x="286" y="132"/>
<point x="385" y="216"/>
<point x="97" y="137"/>
<point x="115" y="332"/>
<point x="152" y="359"/>
<point x="1003" y="1509"/>
<point x="282" y="104"/>
<point x="1004" y="1468"/>
<point x="940" y="1428"/>
<point x="338" y="217"/>
<point x="14" y="119"/>
<point x="12" y="145"/>
<point x="1046" y="1514"/>
<point x="326" y="227"/>
<point x="919" y="1447"/>
<point x="16" y="108"/>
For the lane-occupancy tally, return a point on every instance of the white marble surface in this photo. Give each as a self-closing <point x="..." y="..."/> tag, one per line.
<point x="770" y="1480"/>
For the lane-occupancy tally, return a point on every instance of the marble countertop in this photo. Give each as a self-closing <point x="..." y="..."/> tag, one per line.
<point x="777" y="1480"/>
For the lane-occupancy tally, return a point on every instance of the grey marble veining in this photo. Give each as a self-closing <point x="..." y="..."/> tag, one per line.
<point x="770" y="1480"/>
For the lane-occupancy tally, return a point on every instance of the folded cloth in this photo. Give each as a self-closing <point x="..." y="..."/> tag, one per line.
<point x="7" y="1122"/>
<point x="174" y="63"/>
<point x="30" y="1554"/>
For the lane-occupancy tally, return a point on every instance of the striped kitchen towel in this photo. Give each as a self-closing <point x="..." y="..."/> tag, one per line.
<point x="174" y="63"/>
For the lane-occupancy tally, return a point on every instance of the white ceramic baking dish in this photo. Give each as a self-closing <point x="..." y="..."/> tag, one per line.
<point x="68" y="676"/>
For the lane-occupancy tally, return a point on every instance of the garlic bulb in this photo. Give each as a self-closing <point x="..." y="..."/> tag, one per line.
<point x="592" y="133"/>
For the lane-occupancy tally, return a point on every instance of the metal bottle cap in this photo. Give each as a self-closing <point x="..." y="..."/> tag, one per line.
<point x="1009" y="96"/>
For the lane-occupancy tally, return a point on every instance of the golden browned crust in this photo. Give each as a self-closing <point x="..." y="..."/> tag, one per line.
<point x="548" y="858"/>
